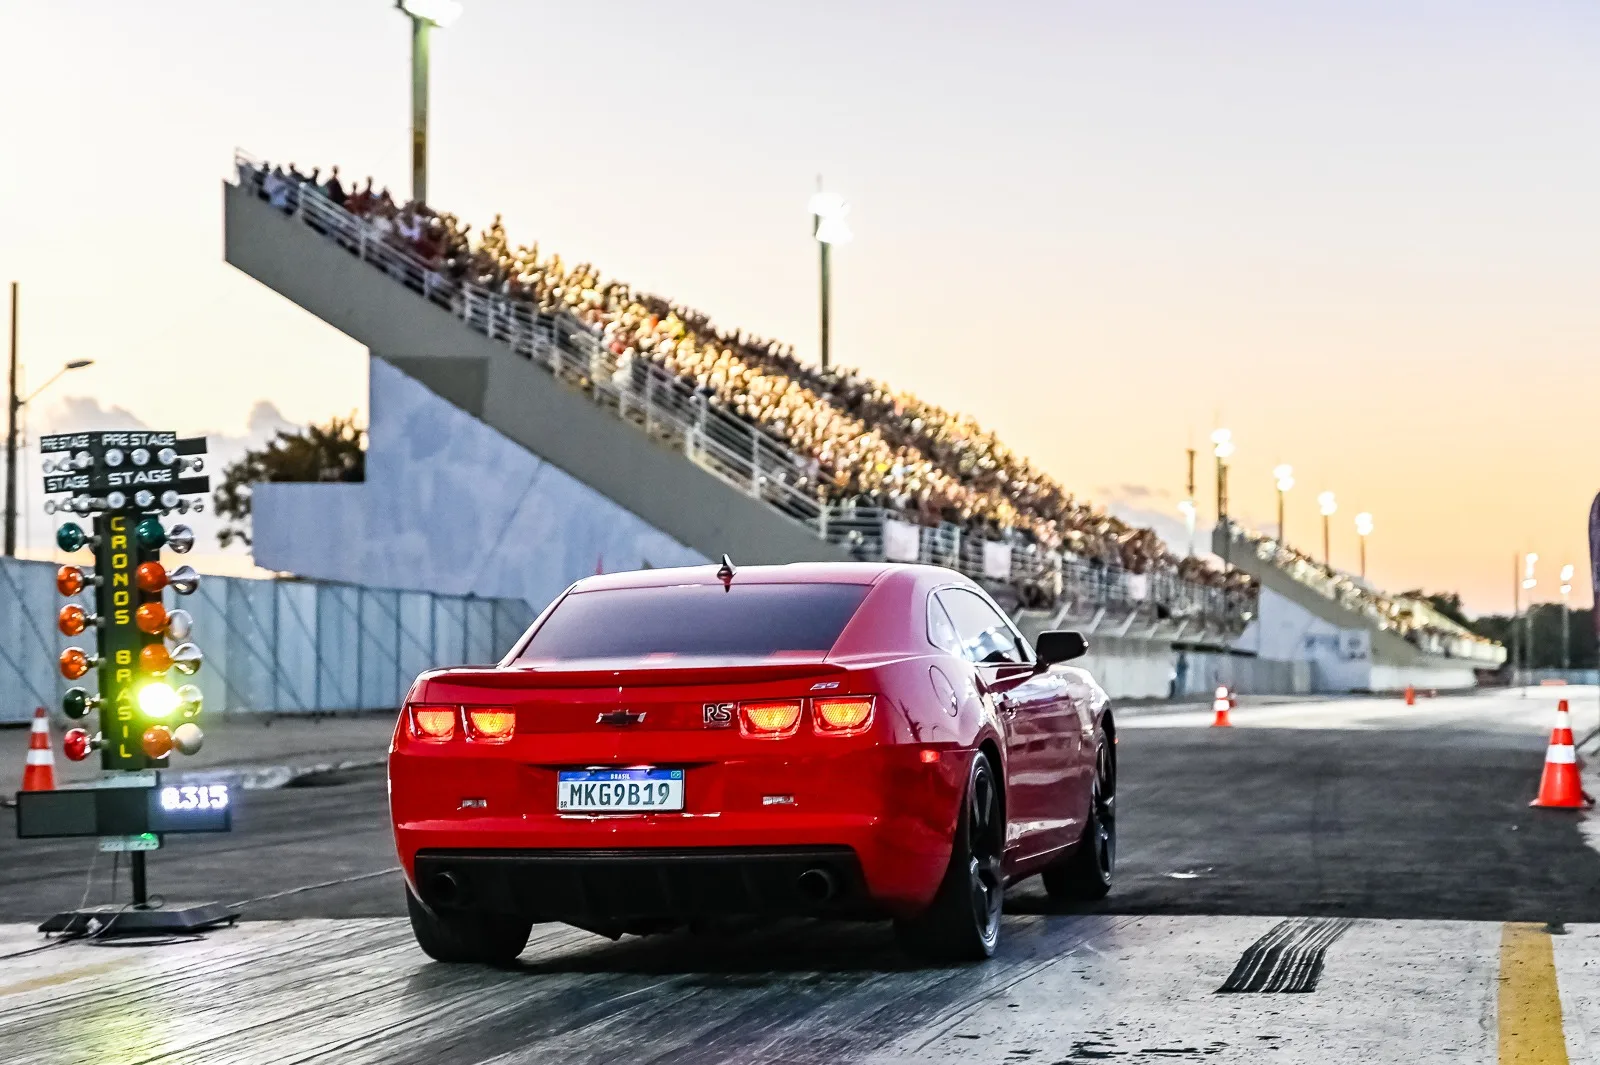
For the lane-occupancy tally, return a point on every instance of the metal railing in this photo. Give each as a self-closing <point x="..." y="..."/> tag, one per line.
<point x="693" y="421"/>
<point x="1413" y="620"/>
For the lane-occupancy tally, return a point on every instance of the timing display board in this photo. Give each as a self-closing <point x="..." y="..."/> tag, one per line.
<point x="165" y="808"/>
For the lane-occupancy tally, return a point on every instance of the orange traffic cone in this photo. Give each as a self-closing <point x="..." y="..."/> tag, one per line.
<point x="1411" y="696"/>
<point x="39" y="772"/>
<point x="1559" y="786"/>
<point x="1222" y="703"/>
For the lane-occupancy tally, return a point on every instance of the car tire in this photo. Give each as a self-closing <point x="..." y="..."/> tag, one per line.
<point x="1085" y="872"/>
<point x="467" y="938"/>
<point x="963" y="921"/>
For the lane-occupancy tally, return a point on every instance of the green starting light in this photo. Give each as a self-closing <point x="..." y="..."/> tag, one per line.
<point x="70" y="537"/>
<point x="150" y="535"/>
<point x="75" y="703"/>
<point x="158" y="700"/>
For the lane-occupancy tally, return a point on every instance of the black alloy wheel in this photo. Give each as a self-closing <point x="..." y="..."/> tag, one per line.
<point x="1085" y="873"/>
<point x="963" y="922"/>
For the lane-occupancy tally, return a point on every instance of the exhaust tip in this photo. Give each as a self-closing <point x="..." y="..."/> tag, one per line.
<point x="817" y="885"/>
<point x="446" y="888"/>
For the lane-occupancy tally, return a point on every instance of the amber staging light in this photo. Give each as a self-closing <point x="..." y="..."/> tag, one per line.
<point x="771" y="718"/>
<point x="72" y="620"/>
<point x="155" y="658"/>
<point x="151" y="618"/>
<point x="74" y="663"/>
<point x="150" y="577"/>
<point x="157" y="741"/>
<point x="69" y="580"/>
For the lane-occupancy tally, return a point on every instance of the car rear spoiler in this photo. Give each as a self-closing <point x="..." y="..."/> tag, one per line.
<point x="664" y="675"/>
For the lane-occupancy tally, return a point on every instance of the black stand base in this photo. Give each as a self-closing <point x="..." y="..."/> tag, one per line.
<point x="110" y="921"/>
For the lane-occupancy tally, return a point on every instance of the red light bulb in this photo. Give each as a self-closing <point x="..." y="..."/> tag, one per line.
<point x="76" y="744"/>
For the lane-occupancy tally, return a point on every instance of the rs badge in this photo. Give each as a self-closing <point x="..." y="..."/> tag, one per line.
<point x="717" y="715"/>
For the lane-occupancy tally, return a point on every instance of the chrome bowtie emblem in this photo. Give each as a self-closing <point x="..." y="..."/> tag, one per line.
<point x="620" y="717"/>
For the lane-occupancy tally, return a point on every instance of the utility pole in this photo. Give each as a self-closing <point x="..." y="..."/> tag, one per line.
<point x="13" y="405"/>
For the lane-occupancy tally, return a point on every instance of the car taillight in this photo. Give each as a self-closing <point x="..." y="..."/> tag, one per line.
<point x="491" y="726"/>
<point x="436" y="723"/>
<point x="770" y="719"/>
<point x="843" y="716"/>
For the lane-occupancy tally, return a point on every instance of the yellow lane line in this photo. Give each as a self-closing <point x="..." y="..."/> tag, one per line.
<point x="65" y="977"/>
<point x="1530" y="1004"/>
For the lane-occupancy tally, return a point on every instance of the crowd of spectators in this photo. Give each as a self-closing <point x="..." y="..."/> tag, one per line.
<point x="1412" y="618"/>
<point x="867" y="444"/>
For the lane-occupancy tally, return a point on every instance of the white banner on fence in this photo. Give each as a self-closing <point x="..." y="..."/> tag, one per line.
<point x="902" y="541"/>
<point x="996" y="560"/>
<point x="1138" y="587"/>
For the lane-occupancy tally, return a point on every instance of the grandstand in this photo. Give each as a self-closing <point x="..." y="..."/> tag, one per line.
<point x="608" y="392"/>
<point x="1355" y="637"/>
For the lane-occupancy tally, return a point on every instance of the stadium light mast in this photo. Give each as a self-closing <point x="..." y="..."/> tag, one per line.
<point x="1187" y="507"/>
<point x="424" y="15"/>
<point x="14" y="407"/>
<point x="1566" y="616"/>
<point x="1285" y="477"/>
<point x="828" y="227"/>
<point x="1222" y="448"/>
<point x="1363" y="530"/>
<point x="1328" y="506"/>
<point x="1529" y="583"/>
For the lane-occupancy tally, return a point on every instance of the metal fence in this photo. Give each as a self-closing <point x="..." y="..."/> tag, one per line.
<point x="741" y="453"/>
<point x="281" y="646"/>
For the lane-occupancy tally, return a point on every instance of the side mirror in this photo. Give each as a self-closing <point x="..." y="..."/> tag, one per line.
<point x="1060" y="645"/>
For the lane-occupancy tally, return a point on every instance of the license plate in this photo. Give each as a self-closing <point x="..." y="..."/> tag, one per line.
<point x="619" y="790"/>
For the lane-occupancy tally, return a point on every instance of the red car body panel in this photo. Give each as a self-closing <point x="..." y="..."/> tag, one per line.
<point x="890" y="794"/>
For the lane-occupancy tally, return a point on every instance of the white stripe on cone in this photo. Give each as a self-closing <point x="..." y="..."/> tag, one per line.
<point x="41" y="724"/>
<point x="44" y="757"/>
<point x="1563" y="719"/>
<point x="1561" y="754"/>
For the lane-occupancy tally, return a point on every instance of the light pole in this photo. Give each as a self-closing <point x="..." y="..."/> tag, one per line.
<point x="1529" y="583"/>
<point x="1285" y="475"/>
<point x="829" y="228"/>
<point x="424" y="15"/>
<point x="13" y="408"/>
<point x="1222" y="448"/>
<point x="1187" y="507"/>
<point x="1566" y="617"/>
<point x="1327" y="505"/>
<point x="1363" y="530"/>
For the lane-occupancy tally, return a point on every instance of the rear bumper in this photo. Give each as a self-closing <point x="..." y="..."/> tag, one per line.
<point x="623" y="889"/>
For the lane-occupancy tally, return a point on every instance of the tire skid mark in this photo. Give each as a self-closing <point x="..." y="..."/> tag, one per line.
<point x="1288" y="958"/>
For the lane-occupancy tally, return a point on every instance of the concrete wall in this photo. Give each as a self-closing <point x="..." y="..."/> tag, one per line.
<point x="520" y="400"/>
<point x="452" y="506"/>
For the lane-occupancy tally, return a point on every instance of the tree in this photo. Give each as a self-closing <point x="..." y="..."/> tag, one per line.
<point x="329" y="454"/>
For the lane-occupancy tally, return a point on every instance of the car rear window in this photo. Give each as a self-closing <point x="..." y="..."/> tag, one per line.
<point x="697" y="620"/>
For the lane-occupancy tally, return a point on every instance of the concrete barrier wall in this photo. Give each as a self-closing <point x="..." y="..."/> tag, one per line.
<point x="270" y="645"/>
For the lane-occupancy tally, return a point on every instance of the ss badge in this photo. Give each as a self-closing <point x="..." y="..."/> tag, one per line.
<point x="717" y="715"/>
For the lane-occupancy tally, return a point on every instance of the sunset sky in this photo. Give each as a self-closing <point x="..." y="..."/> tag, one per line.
<point x="1364" y="236"/>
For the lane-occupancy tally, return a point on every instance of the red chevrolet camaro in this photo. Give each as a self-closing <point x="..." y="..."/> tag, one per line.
<point x="684" y="747"/>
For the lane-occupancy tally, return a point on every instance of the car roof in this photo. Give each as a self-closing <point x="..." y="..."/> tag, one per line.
<point x="791" y="573"/>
